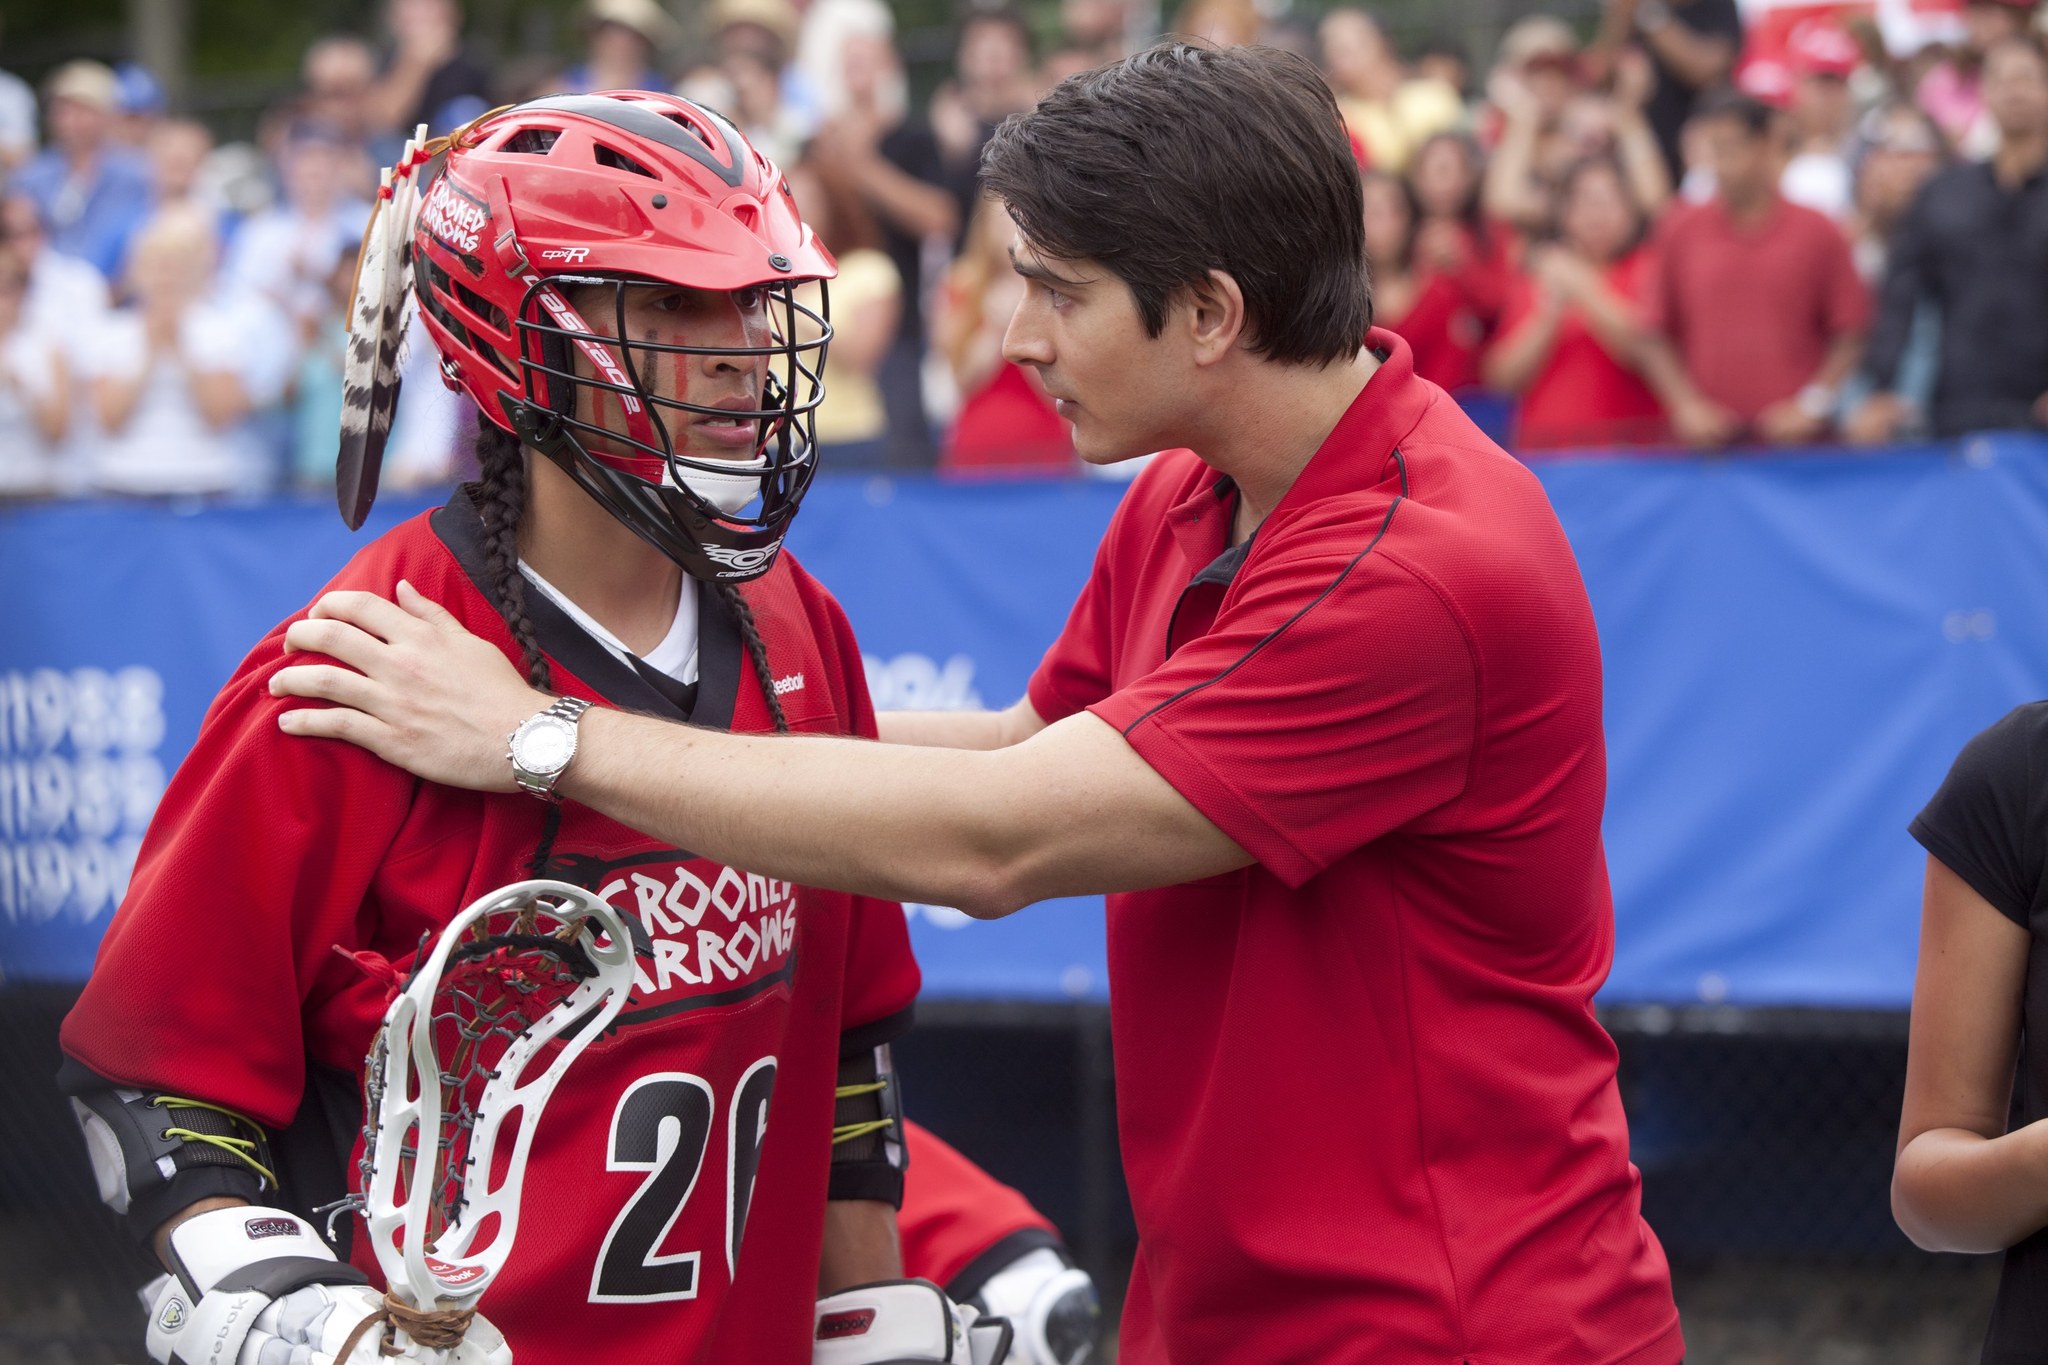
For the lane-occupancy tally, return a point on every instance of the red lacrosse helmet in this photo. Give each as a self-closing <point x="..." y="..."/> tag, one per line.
<point x="622" y="189"/>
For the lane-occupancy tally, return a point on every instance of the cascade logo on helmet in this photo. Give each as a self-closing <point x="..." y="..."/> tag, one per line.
<point x="647" y="411"/>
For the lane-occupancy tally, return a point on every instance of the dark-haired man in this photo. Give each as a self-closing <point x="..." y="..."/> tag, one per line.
<point x="1325" y="723"/>
<point x="1755" y="310"/>
<point x="1975" y="245"/>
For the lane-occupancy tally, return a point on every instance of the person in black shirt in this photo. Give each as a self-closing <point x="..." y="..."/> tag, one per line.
<point x="1975" y="244"/>
<point x="1692" y="45"/>
<point x="873" y="151"/>
<point x="1972" y="1167"/>
<point x="429" y="69"/>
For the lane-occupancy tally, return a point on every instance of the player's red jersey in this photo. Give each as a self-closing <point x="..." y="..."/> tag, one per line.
<point x="954" y="1212"/>
<point x="218" y="978"/>
<point x="1367" y="1114"/>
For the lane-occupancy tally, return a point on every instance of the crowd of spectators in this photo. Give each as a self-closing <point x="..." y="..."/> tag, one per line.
<point x="1662" y="232"/>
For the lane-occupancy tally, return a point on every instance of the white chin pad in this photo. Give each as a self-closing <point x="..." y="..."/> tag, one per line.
<point x="728" y="492"/>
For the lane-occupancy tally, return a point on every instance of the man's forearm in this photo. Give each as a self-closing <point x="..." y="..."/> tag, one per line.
<point x="862" y="1245"/>
<point x="1069" y="812"/>
<point x="887" y="820"/>
<point x="960" y="729"/>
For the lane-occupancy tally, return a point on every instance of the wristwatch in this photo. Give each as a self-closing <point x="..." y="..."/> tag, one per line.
<point x="540" y="749"/>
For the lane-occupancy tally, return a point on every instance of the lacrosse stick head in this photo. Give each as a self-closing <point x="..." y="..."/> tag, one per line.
<point x="468" y="1053"/>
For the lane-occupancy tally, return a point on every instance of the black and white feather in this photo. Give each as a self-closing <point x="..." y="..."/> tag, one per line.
<point x="379" y="318"/>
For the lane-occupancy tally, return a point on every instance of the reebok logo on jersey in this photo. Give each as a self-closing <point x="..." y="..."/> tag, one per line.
<point x="793" y="683"/>
<point x="838" y="1326"/>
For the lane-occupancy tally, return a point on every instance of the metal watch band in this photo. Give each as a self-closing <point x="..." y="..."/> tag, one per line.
<point x="542" y="785"/>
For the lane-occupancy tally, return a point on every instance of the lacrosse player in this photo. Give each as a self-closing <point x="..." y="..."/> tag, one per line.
<point x="612" y="279"/>
<point x="1324" y="723"/>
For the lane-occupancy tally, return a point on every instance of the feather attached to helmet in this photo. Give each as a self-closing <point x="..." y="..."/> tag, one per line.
<point x="379" y="317"/>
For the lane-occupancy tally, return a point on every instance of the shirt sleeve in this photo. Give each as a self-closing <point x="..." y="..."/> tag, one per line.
<point x="1075" y="672"/>
<point x="1985" y="821"/>
<point x="1333" y="701"/>
<point x="1848" y="298"/>
<point x="247" y="878"/>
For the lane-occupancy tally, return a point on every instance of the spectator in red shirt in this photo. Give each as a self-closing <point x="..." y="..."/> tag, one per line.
<point x="1573" y="328"/>
<point x="1443" y="315"/>
<point x="1755" y="310"/>
<point x="1325" y="723"/>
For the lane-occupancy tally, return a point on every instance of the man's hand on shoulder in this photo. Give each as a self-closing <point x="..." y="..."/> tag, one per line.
<point x="410" y="685"/>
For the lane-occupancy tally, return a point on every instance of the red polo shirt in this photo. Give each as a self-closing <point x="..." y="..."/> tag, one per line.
<point x="1753" y="308"/>
<point x="1366" y="1112"/>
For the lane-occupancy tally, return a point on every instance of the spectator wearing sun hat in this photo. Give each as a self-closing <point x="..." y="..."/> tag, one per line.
<point x="93" y="193"/>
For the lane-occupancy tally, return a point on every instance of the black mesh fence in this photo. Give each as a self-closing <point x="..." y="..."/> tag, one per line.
<point x="1765" y="1140"/>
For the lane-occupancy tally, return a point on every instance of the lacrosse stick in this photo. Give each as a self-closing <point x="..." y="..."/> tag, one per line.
<point x="467" y="1056"/>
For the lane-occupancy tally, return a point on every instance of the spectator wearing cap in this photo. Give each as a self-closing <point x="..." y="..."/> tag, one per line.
<point x="623" y="46"/>
<point x="1820" y="116"/>
<point x="1754" y="311"/>
<point x="1952" y="91"/>
<point x="93" y="193"/>
<point x="1975" y="245"/>
<point x="17" y="121"/>
<point x="428" y="74"/>
<point x="1692" y="46"/>
<point x="142" y="102"/>
<point x="1571" y="330"/>
<point x="1389" y="113"/>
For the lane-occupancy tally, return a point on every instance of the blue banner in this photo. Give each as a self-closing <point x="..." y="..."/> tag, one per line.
<point x="1796" y="646"/>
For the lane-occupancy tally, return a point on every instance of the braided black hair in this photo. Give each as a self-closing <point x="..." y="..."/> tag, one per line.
<point x="757" y="651"/>
<point x="500" y="497"/>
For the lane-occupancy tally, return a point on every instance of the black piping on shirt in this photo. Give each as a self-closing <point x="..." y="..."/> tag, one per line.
<point x="1275" y="633"/>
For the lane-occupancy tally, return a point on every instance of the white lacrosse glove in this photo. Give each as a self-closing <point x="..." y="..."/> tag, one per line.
<point x="905" y="1322"/>
<point x="256" y="1286"/>
<point x="1051" y="1304"/>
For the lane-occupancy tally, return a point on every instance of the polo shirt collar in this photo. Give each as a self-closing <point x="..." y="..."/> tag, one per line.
<point x="1378" y="420"/>
<point x="1359" y="451"/>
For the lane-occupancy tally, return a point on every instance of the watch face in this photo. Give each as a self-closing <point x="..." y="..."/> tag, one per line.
<point x="544" y="747"/>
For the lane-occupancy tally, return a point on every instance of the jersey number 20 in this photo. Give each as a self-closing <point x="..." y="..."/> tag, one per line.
<point x="662" y="1126"/>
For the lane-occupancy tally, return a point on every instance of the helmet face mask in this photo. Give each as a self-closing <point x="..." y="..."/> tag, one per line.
<point x="530" y="251"/>
<point x="600" y="413"/>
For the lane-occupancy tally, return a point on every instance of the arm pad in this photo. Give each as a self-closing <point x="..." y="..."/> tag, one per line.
<point x="151" y="1155"/>
<point x="868" y="1155"/>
